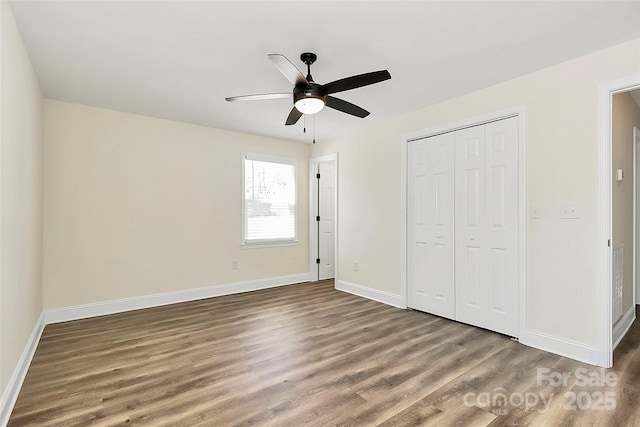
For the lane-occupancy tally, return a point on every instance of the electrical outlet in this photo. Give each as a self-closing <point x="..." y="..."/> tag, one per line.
<point x="569" y="210"/>
<point x="234" y="265"/>
<point x="355" y="265"/>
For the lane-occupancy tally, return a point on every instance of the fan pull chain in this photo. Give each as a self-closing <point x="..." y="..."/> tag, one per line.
<point x="314" y="128"/>
<point x="304" y="121"/>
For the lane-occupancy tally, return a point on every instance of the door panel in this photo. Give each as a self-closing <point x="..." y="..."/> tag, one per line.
<point x="470" y="287"/>
<point x="487" y="285"/>
<point x="498" y="283"/>
<point x="430" y="223"/>
<point x="498" y="184"/>
<point x="502" y="233"/>
<point x="441" y="275"/>
<point x="326" y="231"/>
<point x="470" y="219"/>
<point x="472" y="195"/>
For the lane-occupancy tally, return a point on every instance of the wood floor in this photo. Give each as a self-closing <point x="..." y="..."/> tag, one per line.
<point x="310" y="355"/>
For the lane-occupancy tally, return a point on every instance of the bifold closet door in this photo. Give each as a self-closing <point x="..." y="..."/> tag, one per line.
<point x="431" y="225"/>
<point x="486" y="226"/>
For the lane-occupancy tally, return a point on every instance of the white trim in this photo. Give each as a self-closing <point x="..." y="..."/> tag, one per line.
<point x="313" y="197"/>
<point x="325" y="158"/>
<point x="369" y="293"/>
<point x="404" y="142"/>
<point x="268" y="244"/>
<point x="604" y="233"/>
<point x="522" y="217"/>
<point x="84" y="311"/>
<point x="563" y="347"/>
<point x="636" y="141"/>
<point x="464" y="123"/>
<point x="521" y="113"/>
<point x="12" y="389"/>
<point x="624" y="324"/>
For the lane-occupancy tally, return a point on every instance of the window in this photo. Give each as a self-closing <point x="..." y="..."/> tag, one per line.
<point x="269" y="200"/>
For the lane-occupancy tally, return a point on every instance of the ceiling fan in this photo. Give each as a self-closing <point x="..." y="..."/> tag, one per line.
<point x="310" y="97"/>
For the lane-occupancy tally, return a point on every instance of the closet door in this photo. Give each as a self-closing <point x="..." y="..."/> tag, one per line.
<point x="486" y="254"/>
<point x="431" y="225"/>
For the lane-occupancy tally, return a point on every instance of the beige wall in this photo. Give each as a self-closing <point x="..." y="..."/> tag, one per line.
<point x="561" y="103"/>
<point x="626" y="115"/>
<point x="21" y="110"/>
<point x="138" y="206"/>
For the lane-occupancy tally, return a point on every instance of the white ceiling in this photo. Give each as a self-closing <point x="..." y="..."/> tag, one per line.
<point x="179" y="59"/>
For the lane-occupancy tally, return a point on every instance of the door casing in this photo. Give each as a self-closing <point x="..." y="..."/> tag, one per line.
<point x="313" y="200"/>
<point x="604" y="225"/>
<point x="636" y="282"/>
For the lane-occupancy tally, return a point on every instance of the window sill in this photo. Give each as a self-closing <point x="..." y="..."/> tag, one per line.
<point x="272" y="244"/>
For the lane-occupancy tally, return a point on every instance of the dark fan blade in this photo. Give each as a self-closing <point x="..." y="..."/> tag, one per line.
<point x="288" y="69"/>
<point x="259" y="97"/>
<point x="294" y="116"/>
<point x="346" y="107"/>
<point x="356" y="81"/>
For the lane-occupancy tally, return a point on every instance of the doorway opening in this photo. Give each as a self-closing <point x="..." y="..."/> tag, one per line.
<point x="323" y="196"/>
<point x="625" y="137"/>
<point x="611" y="327"/>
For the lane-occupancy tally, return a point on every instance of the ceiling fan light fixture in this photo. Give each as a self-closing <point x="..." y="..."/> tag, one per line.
<point x="310" y="97"/>
<point x="309" y="105"/>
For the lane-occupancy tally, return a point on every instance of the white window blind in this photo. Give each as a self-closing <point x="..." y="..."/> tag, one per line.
<point x="269" y="200"/>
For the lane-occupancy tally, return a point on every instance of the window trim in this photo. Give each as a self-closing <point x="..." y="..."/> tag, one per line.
<point x="266" y="243"/>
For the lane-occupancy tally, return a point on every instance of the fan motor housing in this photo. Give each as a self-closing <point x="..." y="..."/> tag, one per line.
<point x="314" y="90"/>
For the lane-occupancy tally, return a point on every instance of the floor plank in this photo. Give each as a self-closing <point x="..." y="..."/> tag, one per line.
<point x="306" y="354"/>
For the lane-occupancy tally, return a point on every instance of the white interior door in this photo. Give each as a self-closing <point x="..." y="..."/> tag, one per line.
<point x="326" y="225"/>
<point x="470" y="240"/>
<point x="431" y="225"/>
<point x="486" y="262"/>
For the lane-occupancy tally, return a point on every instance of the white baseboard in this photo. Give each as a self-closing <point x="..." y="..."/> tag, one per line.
<point x="10" y="394"/>
<point x="560" y="346"/>
<point x="65" y="314"/>
<point x="369" y="293"/>
<point x="563" y="347"/>
<point x="622" y="327"/>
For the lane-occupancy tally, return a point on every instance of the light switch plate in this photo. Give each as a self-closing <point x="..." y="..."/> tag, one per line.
<point x="534" y="211"/>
